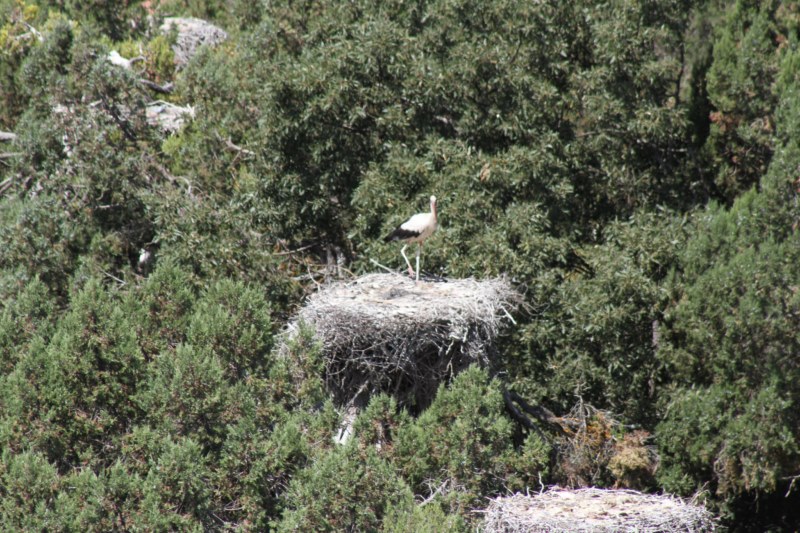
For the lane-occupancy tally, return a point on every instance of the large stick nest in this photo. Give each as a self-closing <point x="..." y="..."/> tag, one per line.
<point x="595" y="510"/>
<point x="385" y="333"/>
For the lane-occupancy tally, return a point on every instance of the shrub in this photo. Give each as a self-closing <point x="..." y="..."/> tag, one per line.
<point x="233" y="322"/>
<point x="188" y="395"/>
<point x="465" y="442"/>
<point x="176" y="493"/>
<point x="29" y="314"/>
<point x="30" y="485"/>
<point x="76" y="391"/>
<point x="344" y="489"/>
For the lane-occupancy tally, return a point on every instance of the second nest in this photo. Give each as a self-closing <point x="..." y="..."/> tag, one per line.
<point x="384" y="333"/>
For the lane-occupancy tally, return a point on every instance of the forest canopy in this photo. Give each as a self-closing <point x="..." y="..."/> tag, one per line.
<point x="631" y="167"/>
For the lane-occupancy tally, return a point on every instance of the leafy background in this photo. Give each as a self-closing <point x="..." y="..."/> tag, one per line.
<point x="631" y="166"/>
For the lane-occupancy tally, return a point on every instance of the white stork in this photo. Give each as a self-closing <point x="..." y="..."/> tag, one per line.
<point x="416" y="229"/>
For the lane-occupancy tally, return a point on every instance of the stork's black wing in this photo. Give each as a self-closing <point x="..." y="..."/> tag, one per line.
<point x="400" y="234"/>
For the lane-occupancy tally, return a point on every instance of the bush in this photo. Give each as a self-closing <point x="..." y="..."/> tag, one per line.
<point x="29" y="314"/>
<point x="177" y="495"/>
<point x="30" y="485"/>
<point x="76" y="392"/>
<point x="597" y="335"/>
<point x="745" y="56"/>
<point x="465" y="443"/>
<point x="233" y="322"/>
<point x="422" y="518"/>
<point x="344" y="489"/>
<point x="188" y="394"/>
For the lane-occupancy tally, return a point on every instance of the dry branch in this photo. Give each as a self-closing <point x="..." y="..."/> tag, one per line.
<point x="384" y="333"/>
<point x="582" y="510"/>
<point x="231" y="147"/>
<point x="6" y="136"/>
<point x="167" y="88"/>
<point x="6" y="184"/>
<point x="518" y="408"/>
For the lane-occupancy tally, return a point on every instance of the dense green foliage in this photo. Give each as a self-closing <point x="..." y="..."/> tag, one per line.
<point x="631" y="166"/>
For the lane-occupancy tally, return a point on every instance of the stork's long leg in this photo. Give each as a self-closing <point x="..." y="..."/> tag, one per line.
<point x="403" y="253"/>
<point x="419" y="247"/>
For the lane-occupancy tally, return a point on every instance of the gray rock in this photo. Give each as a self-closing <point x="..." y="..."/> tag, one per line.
<point x="192" y="34"/>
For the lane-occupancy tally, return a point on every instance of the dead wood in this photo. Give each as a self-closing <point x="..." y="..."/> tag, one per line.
<point x="519" y="409"/>
<point x="167" y="88"/>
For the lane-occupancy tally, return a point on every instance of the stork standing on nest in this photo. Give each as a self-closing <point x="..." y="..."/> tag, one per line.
<point x="415" y="230"/>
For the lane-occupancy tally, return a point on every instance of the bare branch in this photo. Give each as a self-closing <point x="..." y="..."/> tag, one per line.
<point x="791" y="485"/>
<point x="233" y="147"/>
<point x="296" y="251"/>
<point x="387" y="269"/>
<point x="36" y="33"/>
<point x="520" y="417"/>
<point x="435" y="493"/>
<point x="163" y="89"/>
<point x="115" y="278"/>
<point x="6" y="184"/>
<point x="540" y="413"/>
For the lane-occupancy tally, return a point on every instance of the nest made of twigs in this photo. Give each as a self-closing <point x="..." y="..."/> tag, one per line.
<point x="597" y="510"/>
<point x="386" y="333"/>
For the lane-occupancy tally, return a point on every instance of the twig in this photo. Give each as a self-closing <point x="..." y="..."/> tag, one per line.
<point x="7" y="136"/>
<point x="387" y="269"/>
<point x="236" y="148"/>
<point x="430" y="498"/>
<point x="6" y="184"/>
<point x="308" y="269"/>
<point x="508" y="315"/>
<point x="308" y="276"/>
<point x="8" y="155"/>
<point x="791" y="485"/>
<point x="233" y="147"/>
<point x="298" y="250"/>
<point x="35" y="32"/>
<point x="115" y="58"/>
<point x="115" y="278"/>
<point x="163" y="89"/>
<point x="347" y="271"/>
<point x="172" y="179"/>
